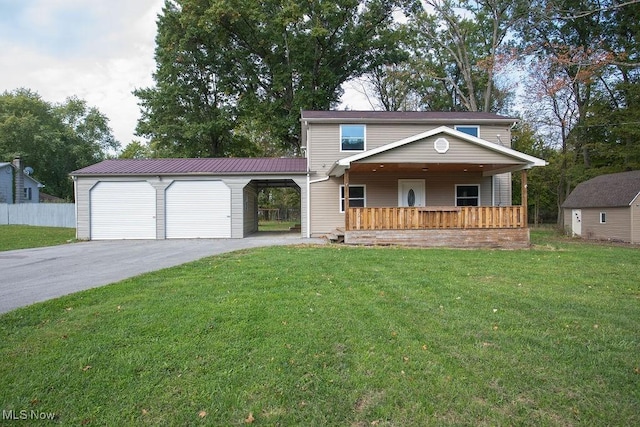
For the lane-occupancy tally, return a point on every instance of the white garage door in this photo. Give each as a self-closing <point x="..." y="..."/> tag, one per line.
<point x="198" y="209"/>
<point x="123" y="210"/>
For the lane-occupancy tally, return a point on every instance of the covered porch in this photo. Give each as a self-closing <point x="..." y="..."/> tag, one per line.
<point x="447" y="193"/>
<point x="413" y="221"/>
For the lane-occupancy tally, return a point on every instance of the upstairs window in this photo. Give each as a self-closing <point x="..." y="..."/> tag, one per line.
<point x="469" y="130"/>
<point x="27" y="193"/>
<point x="467" y="195"/>
<point x="352" y="137"/>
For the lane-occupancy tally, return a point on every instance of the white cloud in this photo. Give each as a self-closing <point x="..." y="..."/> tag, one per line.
<point x="97" y="51"/>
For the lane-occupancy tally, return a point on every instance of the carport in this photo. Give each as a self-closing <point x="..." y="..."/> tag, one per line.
<point x="179" y="198"/>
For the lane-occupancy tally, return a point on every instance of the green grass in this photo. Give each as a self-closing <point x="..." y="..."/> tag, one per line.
<point x="336" y="335"/>
<point x="276" y="225"/>
<point x="27" y="236"/>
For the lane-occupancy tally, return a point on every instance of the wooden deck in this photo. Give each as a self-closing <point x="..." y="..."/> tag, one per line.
<point x="435" y="217"/>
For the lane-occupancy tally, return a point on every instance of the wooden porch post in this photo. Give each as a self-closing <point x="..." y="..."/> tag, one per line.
<point x="525" y="201"/>
<point x="346" y="200"/>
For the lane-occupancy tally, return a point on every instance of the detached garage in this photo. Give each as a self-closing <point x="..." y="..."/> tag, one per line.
<point x="179" y="198"/>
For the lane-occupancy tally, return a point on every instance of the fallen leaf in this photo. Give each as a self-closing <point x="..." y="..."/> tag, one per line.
<point x="405" y="358"/>
<point x="637" y="371"/>
<point x="86" y="368"/>
<point x="596" y="326"/>
<point x="424" y="347"/>
<point x="144" y="411"/>
<point x="495" y="310"/>
<point x="202" y="414"/>
<point x="69" y="308"/>
<point x="250" y="419"/>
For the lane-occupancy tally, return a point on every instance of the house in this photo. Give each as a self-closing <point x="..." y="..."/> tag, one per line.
<point x="606" y="207"/>
<point x="414" y="178"/>
<point x="30" y="187"/>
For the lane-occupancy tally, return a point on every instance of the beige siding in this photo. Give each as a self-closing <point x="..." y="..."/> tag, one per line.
<point x="617" y="227"/>
<point x="566" y="220"/>
<point x="423" y="151"/>
<point x="324" y="140"/>
<point x="382" y="190"/>
<point x="250" y="209"/>
<point x="302" y="184"/>
<point x="635" y="220"/>
<point x="83" y="186"/>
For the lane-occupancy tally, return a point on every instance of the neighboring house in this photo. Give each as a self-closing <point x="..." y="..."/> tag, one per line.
<point x="606" y="207"/>
<point x="417" y="178"/>
<point x="31" y="189"/>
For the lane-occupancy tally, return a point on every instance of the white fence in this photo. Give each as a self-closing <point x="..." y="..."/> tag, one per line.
<point x="42" y="214"/>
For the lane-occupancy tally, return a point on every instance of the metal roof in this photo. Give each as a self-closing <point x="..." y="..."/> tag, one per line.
<point x="421" y="116"/>
<point x="214" y="166"/>
<point x="612" y="190"/>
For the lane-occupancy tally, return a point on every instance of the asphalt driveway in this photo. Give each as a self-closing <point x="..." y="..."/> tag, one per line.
<point x="32" y="275"/>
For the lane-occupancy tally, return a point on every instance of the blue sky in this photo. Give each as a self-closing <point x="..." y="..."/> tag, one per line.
<point x="97" y="50"/>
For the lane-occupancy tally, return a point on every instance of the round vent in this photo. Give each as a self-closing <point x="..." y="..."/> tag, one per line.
<point x="441" y="145"/>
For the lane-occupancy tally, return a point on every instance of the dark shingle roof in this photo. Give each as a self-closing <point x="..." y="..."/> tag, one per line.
<point x="216" y="166"/>
<point x="433" y="116"/>
<point x="613" y="190"/>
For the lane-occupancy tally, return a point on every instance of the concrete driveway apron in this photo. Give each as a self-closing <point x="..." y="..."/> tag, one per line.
<point x="32" y="275"/>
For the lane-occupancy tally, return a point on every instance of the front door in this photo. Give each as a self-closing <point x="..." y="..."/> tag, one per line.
<point x="576" y="222"/>
<point x="411" y="192"/>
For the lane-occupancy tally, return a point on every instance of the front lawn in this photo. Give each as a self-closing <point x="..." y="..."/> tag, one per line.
<point x="338" y="335"/>
<point x="28" y="236"/>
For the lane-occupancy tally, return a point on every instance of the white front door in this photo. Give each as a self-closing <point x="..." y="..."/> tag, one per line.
<point x="411" y="192"/>
<point x="576" y="222"/>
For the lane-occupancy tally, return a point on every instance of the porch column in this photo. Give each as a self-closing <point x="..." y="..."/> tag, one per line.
<point x="525" y="201"/>
<point x="346" y="200"/>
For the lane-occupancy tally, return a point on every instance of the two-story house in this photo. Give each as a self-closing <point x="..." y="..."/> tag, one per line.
<point x="30" y="187"/>
<point x="417" y="178"/>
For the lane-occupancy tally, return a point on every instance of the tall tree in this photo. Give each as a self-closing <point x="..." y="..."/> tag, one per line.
<point x="260" y="62"/>
<point x="461" y="46"/>
<point x="584" y="55"/>
<point x="54" y="139"/>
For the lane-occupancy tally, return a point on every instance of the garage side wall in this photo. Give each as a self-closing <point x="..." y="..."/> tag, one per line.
<point x="250" y="209"/>
<point x="83" y="186"/>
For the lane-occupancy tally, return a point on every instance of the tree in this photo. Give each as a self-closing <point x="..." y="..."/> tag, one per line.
<point x="461" y="46"/>
<point x="54" y="139"/>
<point x="583" y="58"/>
<point x="247" y="64"/>
<point x="136" y="150"/>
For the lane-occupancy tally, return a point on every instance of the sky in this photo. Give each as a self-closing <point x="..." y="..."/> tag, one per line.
<point x="96" y="50"/>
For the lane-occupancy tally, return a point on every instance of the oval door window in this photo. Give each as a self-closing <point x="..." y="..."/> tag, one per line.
<point x="411" y="199"/>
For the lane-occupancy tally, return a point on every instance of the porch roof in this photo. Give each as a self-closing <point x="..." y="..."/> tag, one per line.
<point x="499" y="159"/>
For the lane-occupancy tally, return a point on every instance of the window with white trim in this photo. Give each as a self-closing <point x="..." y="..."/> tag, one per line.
<point x="352" y="137"/>
<point x="27" y="193"/>
<point x="603" y="217"/>
<point x="356" y="197"/>
<point x="469" y="130"/>
<point x="468" y="195"/>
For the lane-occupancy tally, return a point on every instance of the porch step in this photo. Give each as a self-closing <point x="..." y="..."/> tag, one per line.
<point x="336" y="236"/>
